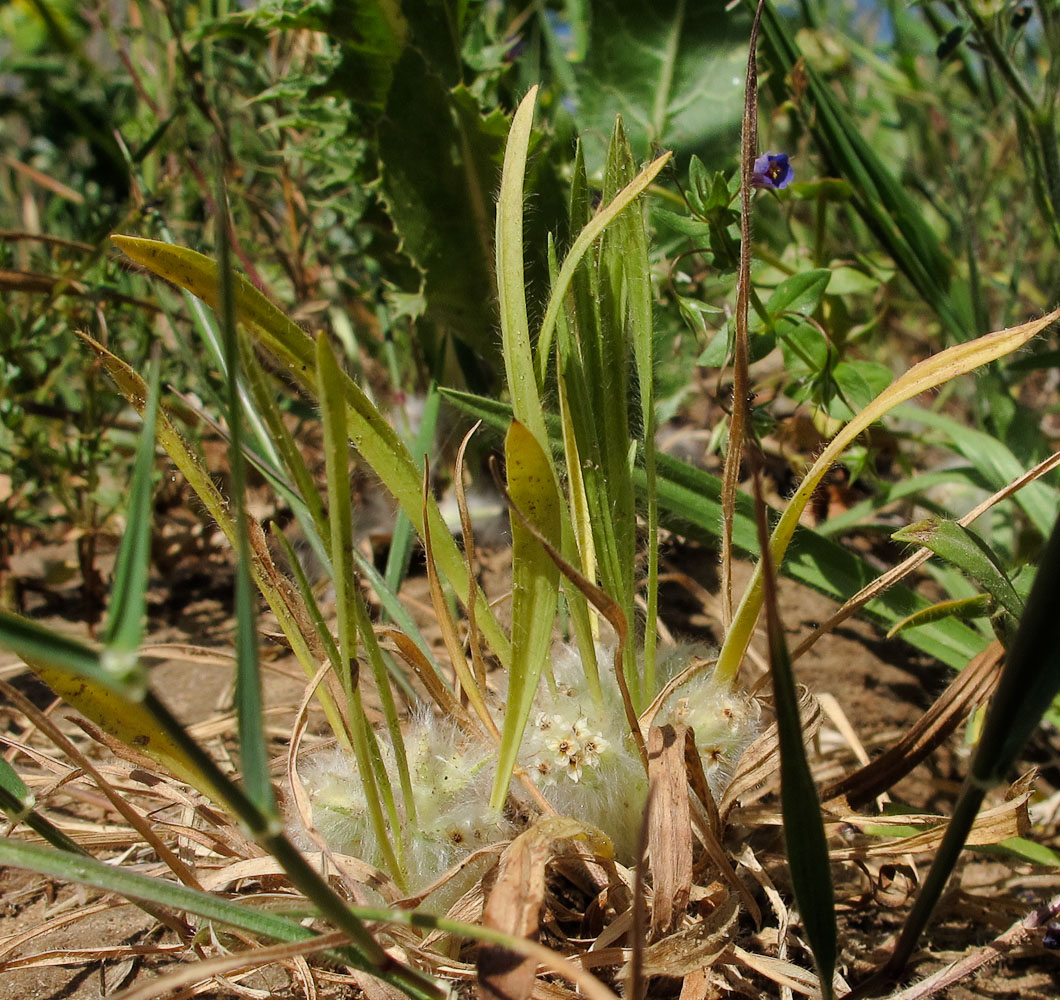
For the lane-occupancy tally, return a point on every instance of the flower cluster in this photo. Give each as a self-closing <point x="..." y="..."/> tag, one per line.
<point x="570" y="748"/>
<point x="579" y="752"/>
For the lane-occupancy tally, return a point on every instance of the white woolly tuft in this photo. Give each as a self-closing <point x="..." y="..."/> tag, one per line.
<point x="451" y="779"/>
<point x="579" y="754"/>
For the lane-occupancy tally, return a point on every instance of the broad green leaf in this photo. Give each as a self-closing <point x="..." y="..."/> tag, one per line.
<point x="535" y="588"/>
<point x="667" y="68"/>
<point x="440" y="202"/>
<point x="805" y="349"/>
<point x="850" y="281"/>
<point x="860" y="382"/>
<point x="801" y="293"/>
<point x="373" y="34"/>
<point x="959" y="546"/>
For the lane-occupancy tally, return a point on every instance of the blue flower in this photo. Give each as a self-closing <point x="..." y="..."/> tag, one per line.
<point x="773" y="171"/>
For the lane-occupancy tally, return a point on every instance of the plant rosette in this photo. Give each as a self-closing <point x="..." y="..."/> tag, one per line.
<point x="579" y="754"/>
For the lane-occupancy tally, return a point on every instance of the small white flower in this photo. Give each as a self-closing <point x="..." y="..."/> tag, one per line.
<point x="544" y="772"/>
<point x="563" y="747"/>
<point x="574" y="767"/>
<point x="593" y="748"/>
<point x="546" y="723"/>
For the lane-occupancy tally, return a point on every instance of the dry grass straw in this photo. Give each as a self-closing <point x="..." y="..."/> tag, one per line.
<point x="550" y="880"/>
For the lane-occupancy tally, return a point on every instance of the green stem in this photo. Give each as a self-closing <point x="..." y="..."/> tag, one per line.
<point x="997" y="53"/>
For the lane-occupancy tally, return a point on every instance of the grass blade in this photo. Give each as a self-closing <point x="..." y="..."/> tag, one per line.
<point x="19" y="805"/>
<point x="1030" y="680"/>
<point x="253" y="748"/>
<point x="690" y="506"/>
<point x="804" y="836"/>
<point x="340" y="516"/>
<point x="294" y="350"/>
<point x="132" y="885"/>
<point x="127" y="609"/>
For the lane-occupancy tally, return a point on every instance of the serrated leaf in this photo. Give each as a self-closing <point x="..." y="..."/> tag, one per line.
<point x="441" y="203"/>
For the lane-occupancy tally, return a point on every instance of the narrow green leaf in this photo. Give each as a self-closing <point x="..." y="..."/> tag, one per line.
<point x="535" y="589"/>
<point x="133" y="388"/>
<point x="127" y="609"/>
<point x="690" y="506"/>
<point x="994" y="461"/>
<point x="37" y="643"/>
<point x="19" y="805"/>
<point x="340" y="516"/>
<point x="397" y="560"/>
<point x="511" y="282"/>
<point x="804" y="836"/>
<point x="340" y="506"/>
<point x="963" y="608"/>
<point x="922" y="377"/>
<point x="585" y="239"/>
<point x="253" y="745"/>
<point x="263" y="392"/>
<point x="1030" y="680"/>
<point x="132" y="885"/>
<point x="969" y="553"/>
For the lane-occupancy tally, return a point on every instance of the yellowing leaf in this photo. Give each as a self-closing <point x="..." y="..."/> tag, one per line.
<point x="928" y="374"/>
